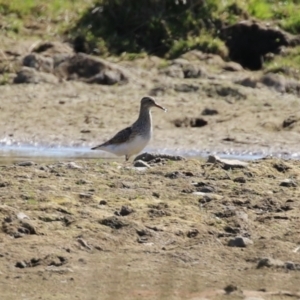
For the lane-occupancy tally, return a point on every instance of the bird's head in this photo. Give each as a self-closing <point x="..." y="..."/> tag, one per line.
<point x="149" y="102"/>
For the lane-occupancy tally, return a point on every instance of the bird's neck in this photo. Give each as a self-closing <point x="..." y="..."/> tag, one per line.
<point x="145" y="117"/>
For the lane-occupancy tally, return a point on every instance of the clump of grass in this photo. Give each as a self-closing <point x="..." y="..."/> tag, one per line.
<point x="147" y="25"/>
<point x="4" y="79"/>
<point x="287" y="63"/>
<point x="20" y="15"/>
<point x="284" y="13"/>
<point x="204" y="42"/>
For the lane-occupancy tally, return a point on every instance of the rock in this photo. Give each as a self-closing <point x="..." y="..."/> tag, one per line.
<point x="281" y="167"/>
<point x="208" y="58"/>
<point x="297" y="249"/>
<point x="228" y="91"/>
<point x="83" y="243"/>
<point x="269" y="262"/>
<point x="204" y="188"/>
<point x="52" y="48"/>
<point x="192" y="233"/>
<point x="247" y="82"/>
<point x="38" y="62"/>
<point x="57" y="60"/>
<point x="54" y="269"/>
<point x="173" y="71"/>
<point x="22" y="216"/>
<point x="290" y="122"/>
<point x="92" y="70"/>
<point x="4" y="184"/>
<point x="72" y="165"/>
<point x="155" y="194"/>
<point x="186" y="88"/>
<point x="85" y="196"/>
<point x="30" y="75"/>
<point x="102" y="202"/>
<point x="275" y="81"/>
<point x="288" y="183"/>
<point x="227" y="163"/>
<point x="232" y="67"/>
<point x="276" y="263"/>
<point x="157" y="91"/>
<point x="29" y="228"/>
<point x="113" y="222"/>
<point x="81" y="181"/>
<point x="190" y="122"/>
<point x="173" y="175"/>
<point x="194" y="71"/>
<point x="209" y="112"/>
<point x="240" y="241"/>
<point x="26" y="163"/>
<point x="230" y="288"/>
<point x="141" y="164"/>
<point x="289" y="265"/>
<point x="180" y="62"/>
<point x="21" y="264"/>
<point x="125" y="211"/>
<point x="149" y="157"/>
<point x="240" y="179"/>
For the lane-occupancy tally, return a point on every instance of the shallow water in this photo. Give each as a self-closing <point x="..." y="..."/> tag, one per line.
<point x="14" y="153"/>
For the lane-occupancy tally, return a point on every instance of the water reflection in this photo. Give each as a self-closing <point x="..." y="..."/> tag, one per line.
<point x="15" y="153"/>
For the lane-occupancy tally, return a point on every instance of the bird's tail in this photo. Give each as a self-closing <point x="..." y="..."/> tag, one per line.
<point x="97" y="147"/>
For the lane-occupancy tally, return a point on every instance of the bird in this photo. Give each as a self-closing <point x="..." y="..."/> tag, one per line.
<point x="133" y="139"/>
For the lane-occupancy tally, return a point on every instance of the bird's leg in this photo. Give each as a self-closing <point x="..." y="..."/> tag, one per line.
<point x="126" y="158"/>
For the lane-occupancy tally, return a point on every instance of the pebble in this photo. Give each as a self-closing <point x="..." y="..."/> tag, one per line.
<point x="206" y="189"/>
<point x="227" y="163"/>
<point x="125" y="211"/>
<point x="140" y="164"/>
<point x="26" y="163"/>
<point x="192" y="233"/>
<point x="240" y="241"/>
<point x="22" y="216"/>
<point x="85" y="196"/>
<point x="72" y="165"/>
<point x="230" y="289"/>
<point x="297" y="249"/>
<point x="148" y="157"/>
<point x="240" y="179"/>
<point x="269" y="262"/>
<point x="59" y="270"/>
<point x="288" y="183"/>
<point x="21" y="264"/>
<point x="155" y="194"/>
<point x="83" y="243"/>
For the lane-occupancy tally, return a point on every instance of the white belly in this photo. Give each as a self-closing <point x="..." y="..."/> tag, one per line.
<point x="135" y="146"/>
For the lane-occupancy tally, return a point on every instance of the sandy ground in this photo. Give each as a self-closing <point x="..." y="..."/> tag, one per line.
<point x="103" y="230"/>
<point x="72" y="113"/>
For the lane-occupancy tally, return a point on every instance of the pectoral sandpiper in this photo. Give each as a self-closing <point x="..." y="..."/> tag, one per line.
<point x="133" y="139"/>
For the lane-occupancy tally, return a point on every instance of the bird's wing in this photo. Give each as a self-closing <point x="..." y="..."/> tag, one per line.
<point x="121" y="137"/>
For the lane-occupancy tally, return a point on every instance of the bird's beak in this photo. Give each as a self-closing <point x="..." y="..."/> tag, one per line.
<point x="164" y="109"/>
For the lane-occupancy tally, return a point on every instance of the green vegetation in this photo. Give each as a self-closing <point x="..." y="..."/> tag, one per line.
<point x="41" y="18"/>
<point x="287" y="63"/>
<point x="165" y="27"/>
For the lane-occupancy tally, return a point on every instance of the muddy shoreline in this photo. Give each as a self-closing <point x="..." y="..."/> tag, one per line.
<point x="179" y="229"/>
<point x="87" y="226"/>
